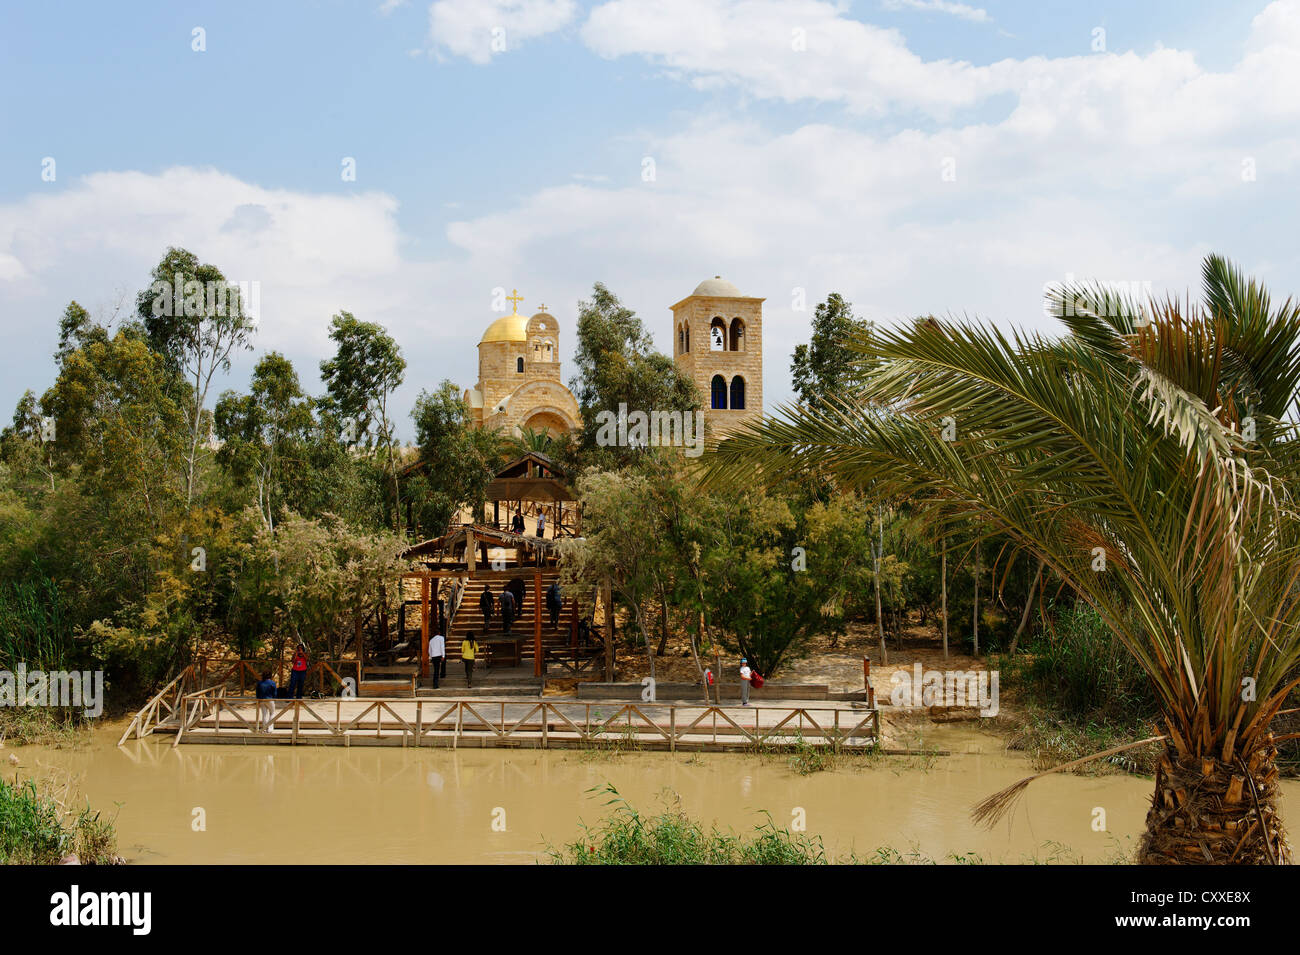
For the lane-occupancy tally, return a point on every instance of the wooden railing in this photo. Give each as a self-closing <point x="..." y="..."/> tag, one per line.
<point x="165" y="708"/>
<point x="164" y="705"/>
<point x="501" y="721"/>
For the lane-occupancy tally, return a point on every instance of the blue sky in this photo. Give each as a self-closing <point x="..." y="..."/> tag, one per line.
<point x="816" y="170"/>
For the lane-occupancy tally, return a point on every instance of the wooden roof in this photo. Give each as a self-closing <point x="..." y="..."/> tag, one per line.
<point x="531" y="477"/>
<point x="483" y="533"/>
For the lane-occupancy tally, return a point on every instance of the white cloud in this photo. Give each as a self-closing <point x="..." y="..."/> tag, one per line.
<point x="791" y="50"/>
<point x="750" y="45"/>
<point x="960" y="10"/>
<point x="479" y="29"/>
<point x="1120" y="167"/>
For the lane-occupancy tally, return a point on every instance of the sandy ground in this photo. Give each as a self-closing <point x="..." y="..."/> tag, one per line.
<point x="840" y="668"/>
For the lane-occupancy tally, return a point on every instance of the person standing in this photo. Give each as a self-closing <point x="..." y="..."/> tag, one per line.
<point x="541" y="523"/>
<point x="298" y="676"/>
<point x="265" y="702"/>
<point x="468" y="651"/>
<point x="746" y="677"/>
<point x="437" y="657"/>
<point x="554" y="602"/>
<point x="487" y="604"/>
<point x="507" y="610"/>
<point x="517" y="525"/>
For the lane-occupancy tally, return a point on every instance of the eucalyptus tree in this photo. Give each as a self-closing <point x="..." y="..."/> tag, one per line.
<point x="1150" y="459"/>
<point x="265" y="431"/>
<point x="367" y="368"/>
<point x="197" y="320"/>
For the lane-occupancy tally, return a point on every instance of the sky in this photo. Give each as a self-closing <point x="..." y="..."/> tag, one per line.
<point x="916" y="156"/>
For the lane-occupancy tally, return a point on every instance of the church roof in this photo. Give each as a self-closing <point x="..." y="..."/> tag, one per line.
<point x="717" y="287"/>
<point x="508" y="328"/>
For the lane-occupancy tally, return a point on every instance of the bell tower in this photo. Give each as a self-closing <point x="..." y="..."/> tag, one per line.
<point x="718" y="344"/>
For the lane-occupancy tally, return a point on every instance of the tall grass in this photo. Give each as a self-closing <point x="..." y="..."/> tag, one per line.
<point x="626" y="837"/>
<point x="37" y="827"/>
<point x="34" y="628"/>
<point x="1081" y="670"/>
<point x="1083" y="693"/>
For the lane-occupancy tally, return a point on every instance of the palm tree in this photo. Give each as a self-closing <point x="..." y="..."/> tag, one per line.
<point x="1149" y="459"/>
<point x="530" y="439"/>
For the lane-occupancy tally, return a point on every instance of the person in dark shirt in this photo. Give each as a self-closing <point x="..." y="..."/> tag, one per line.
<point x="507" y="610"/>
<point x="518" y="524"/>
<point x="487" y="604"/>
<point x="265" y="708"/>
<point x="554" y="603"/>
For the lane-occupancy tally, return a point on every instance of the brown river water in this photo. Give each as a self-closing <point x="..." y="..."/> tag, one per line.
<point x="267" y="804"/>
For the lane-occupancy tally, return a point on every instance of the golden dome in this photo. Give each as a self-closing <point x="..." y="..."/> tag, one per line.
<point x="507" y="328"/>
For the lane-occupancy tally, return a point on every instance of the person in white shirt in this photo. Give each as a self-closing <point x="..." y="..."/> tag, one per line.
<point x="437" y="657"/>
<point x="746" y="675"/>
<point x="541" y="524"/>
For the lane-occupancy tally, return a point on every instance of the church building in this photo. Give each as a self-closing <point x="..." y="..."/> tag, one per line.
<point x="717" y="343"/>
<point x="519" y="384"/>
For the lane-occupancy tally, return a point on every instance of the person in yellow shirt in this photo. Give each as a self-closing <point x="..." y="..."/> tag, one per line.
<point x="468" y="651"/>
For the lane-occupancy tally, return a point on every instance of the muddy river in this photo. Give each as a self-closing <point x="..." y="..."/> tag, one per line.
<point x="255" y="804"/>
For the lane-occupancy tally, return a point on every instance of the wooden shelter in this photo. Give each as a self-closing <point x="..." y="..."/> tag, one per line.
<point x="537" y="481"/>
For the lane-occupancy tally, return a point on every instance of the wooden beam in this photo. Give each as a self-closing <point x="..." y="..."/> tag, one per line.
<point x="537" y="623"/>
<point x="607" y="598"/>
<point x="424" y="627"/>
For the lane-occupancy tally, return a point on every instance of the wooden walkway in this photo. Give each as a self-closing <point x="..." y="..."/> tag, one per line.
<point x="210" y="716"/>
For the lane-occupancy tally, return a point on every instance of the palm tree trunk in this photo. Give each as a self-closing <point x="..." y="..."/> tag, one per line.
<point x="1206" y="811"/>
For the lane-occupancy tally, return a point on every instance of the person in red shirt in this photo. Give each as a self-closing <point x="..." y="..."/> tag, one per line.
<point x="298" y="678"/>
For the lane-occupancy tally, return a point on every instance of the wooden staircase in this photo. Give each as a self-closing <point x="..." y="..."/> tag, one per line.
<point x="469" y="618"/>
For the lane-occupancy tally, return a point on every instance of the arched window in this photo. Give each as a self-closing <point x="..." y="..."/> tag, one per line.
<point x="737" y="335"/>
<point x="549" y="351"/>
<point x="688" y="338"/>
<point x="719" y="393"/>
<point x="681" y="338"/>
<point x="737" y="393"/>
<point x="519" y="364"/>
<point x="717" y="335"/>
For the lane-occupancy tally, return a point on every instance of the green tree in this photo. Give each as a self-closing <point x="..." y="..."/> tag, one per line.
<point x="832" y="361"/>
<point x="457" y="460"/>
<point x="617" y="363"/>
<point x="265" y="431"/>
<point x="366" y="369"/>
<point x="196" y="320"/>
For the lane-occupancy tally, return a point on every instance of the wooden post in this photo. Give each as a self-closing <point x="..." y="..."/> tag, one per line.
<point x="607" y="597"/>
<point x="866" y="680"/>
<point x="470" y="556"/>
<point x="717" y="679"/>
<point x="537" y="623"/>
<point x="424" y="627"/>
